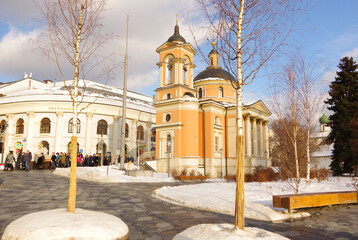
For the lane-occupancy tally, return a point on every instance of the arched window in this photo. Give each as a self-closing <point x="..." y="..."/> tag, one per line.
<point x="126" y="131"/>
<point x="2" y="126"/>
<point x="169" y="143"/>
<point x="169" y="96"/>
<point x="102" y="127"/>
<point x="185" y="70"/>
<point x="70" y="126"/>
<point x="200" y="92"/>
<point x="140" y="133"/>
<point x="45" y="126"/>
<point x="169" y="69"/>
<point x="20" y="126"/>
<point x="221" y="92"/>
<point x="153" y="133"/>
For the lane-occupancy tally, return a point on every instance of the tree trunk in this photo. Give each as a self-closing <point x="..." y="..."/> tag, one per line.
<point x="240" y="157"/>
<point x="73" y="177"/>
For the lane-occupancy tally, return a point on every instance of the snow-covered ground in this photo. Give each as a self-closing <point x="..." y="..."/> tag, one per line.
<point x="99" y="174"/>
<point x="61" y="224"/>
<point x="220" y="196"/>
<point x="227" y="232"/>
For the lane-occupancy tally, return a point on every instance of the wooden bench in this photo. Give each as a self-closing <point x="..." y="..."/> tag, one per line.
<point x="305" y="200"/>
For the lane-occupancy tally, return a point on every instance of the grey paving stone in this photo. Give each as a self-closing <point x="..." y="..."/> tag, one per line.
<point x="149" y="218"/>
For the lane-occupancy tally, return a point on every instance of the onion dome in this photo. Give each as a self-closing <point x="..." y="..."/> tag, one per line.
<point x="176" y="36"/>
<point x="324" y="119"/>
<point x="214" y="71"/>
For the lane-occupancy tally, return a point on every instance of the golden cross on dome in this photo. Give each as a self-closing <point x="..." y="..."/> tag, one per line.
<point x="177" y="19"/>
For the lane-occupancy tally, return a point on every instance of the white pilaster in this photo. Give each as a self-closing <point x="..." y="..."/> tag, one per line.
<point x="254" y="137"/>
<point x="30" y="131"/>
<point x="261" y="139"/>
<point x="10" y="130"/>
<point x="115" y="138"/>
<point x="266" y="139"/>
<point x="148" y="145"/>
<point x="88" y="141"/>
<point x="248" y="136"/>
<point x="58" y="138"/>
<point x="133" y="140"/>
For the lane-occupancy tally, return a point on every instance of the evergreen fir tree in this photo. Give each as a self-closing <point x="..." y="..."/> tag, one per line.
<point x="343" y="102"/>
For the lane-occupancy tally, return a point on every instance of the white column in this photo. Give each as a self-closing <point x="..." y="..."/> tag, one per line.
<point x="88" y="141"/>
<point x="115" y="138"/>
<point x="254" y="136"/>
<point x="134" y="140"/>
<point x="266" y="139"/>
<point x="30" y="131"/>
<point x="149" y="134"/>
<point x="58" y="138"/>
<point x="248" y="136"/>
<point x="10" y="131"/>
<point x="176" y="72"/>
<point x="261" y="139"/>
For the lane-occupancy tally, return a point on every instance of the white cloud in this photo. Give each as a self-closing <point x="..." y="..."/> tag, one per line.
<point x="353" y="53"/>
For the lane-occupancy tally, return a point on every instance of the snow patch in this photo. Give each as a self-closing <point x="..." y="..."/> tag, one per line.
<point x="220" y="196"/>
<point x="225" y="232"/>
<point x="61" y="224"/>
<point x="99" y="174"/>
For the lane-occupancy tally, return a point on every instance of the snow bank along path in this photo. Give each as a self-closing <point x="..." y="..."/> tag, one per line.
<point x="226" y="232"/>
<point x="60" y="224"/>
<point x="220" y="196"/>
<point x="99" y="174"/>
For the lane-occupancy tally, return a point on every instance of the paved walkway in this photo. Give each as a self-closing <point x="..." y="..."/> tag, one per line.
<point x="149" y="218"/>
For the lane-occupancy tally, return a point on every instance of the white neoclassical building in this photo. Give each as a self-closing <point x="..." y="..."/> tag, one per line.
<point x="37" y="116"/>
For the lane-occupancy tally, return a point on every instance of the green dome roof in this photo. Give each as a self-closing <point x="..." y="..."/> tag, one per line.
<point x="324" y="119"/>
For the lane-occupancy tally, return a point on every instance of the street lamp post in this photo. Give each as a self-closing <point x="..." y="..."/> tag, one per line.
<point x="221" y="161"/>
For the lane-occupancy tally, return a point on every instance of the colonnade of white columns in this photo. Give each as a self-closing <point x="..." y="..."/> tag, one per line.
<point x="256" y="137"/>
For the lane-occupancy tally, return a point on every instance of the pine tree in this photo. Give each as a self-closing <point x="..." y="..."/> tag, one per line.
<point x="343" y="102"/>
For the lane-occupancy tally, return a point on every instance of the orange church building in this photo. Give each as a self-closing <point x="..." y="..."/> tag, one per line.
<point x="195" y="117"/>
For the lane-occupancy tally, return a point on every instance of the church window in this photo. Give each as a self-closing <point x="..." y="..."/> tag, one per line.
<point x="168" y="117"/>
<point x="169" y="96"/>
<point x="200" y="92"/>
<point x="140" y="133"/>
<point x="185" y="71"/>
<point x="153" y="133"/>
<point x="169" y="144"/>
<point x="45" y="126"/>
<point x="221" y="92"/>
<point x="169" y="69"/>
<point x="102" y="127"/>
<point x="20" y="126"/>
<point x="70" y="126"/>
<point x="216" y="144"/>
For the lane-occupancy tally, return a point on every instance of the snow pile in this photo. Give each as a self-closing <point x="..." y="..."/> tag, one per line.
<point x="220" y="196"/>
<point x="99" y="174"/>
<point x="61" y="224"/>
<point x="225" y="232"/>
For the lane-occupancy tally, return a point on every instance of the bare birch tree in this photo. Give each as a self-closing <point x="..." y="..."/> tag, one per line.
<point x="75" y="32"/>
<point x="286" y="107"/>
<point x="250" y="32"/>
<point x="309" y="98"/>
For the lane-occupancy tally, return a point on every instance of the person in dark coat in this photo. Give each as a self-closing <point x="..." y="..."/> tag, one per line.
<point x="28" y="158"/>
<point x="40" y="161"/>
<point x="18" y="160"/>
<point x="90" y="160"/>
<point x="22" y="160"/>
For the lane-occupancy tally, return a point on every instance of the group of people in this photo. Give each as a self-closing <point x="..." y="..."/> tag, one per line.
<point x="21" y="161"/>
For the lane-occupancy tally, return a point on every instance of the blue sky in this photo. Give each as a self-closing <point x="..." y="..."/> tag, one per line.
<point x="329" y="30"/>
